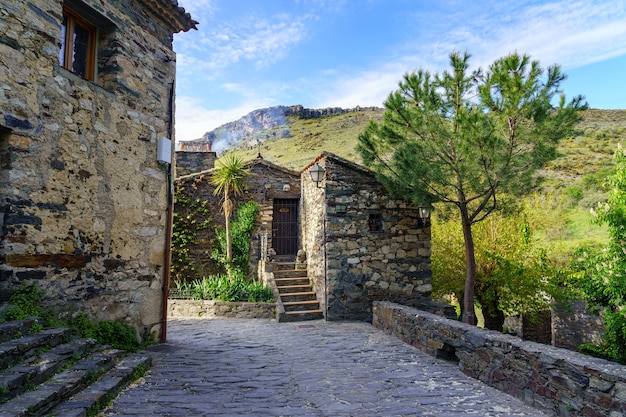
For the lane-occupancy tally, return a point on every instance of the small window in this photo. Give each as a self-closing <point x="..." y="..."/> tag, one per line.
<point x="375" y="223"/>
<point x="78" y="45"/>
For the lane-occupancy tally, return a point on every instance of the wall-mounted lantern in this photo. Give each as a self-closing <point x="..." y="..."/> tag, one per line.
<point x="267" y="186"/>
<point x="423" y="213"/>
<point x="317" y="174"/>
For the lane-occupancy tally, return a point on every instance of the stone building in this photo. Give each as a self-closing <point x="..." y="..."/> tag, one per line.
<point x="277" y="192"/>
<point x="191" y="162"/>
<point x="86" y="94"/>
<point x="361" y="243"/>
<point x="356" y="242"/>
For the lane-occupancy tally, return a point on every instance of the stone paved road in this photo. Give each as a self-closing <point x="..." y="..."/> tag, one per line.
<point x="232" y="367"/>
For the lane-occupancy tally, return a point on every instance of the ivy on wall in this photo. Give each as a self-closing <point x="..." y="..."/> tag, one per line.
<point x="192" y="215"/>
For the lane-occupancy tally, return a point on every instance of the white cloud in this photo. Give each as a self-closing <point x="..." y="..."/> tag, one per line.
<point x="571" y="34"/>
<point x="261" y="41"/>
<point x="200" y="10"/>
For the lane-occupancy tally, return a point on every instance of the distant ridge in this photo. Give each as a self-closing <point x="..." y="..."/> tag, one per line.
<point x="252" y="129"/>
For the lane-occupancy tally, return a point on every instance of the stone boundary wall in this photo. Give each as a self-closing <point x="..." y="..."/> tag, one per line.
<point x="551" y="379"/>
<point x="206" y="309"/>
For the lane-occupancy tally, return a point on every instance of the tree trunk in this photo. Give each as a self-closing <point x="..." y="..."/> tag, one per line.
<point x="229" y="245"/>
<point x="469" y="316"/>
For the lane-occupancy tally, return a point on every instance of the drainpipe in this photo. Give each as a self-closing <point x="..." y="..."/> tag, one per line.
<point x="168" y="222"/>
<point x="325" y="268"/>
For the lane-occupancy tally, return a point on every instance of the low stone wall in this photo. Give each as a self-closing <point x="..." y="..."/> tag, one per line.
<point x="554" y="380"/>
<point x="211" y="309"/>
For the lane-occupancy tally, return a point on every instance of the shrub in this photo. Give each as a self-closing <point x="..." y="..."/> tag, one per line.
<point x="115" y="334"/>
<point x="241" y="229"/>
<point x="223" y="288"/>
<point x="25" y="302"/>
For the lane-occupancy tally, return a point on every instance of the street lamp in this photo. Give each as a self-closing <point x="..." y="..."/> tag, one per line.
<point x="317" y="173"/>
<point x="423" y="213"/>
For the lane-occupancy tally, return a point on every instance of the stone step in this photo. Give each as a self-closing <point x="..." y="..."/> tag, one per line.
<point x="300" y="297"/>
<point x="19" y="349"/>
<point x="301" y="315"/>
<point x="297" y="294"/>
<point x="286" y="289"/>
<point x="281" y="266"/>
<point x="92" y="399"/>
<point x="37" y="369"/>
<point x="281" y="282"/>
<point x="291" y="273"/>
<point x="300" y="303"/>
<point x="41" y="400"/>
<point x="17" y="328"/>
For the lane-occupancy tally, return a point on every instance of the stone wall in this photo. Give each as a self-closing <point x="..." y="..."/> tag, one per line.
<point x="554" y="380"/>
<point x="83" y="199"/>
<point x="352" y="265"/>
<point x="573" y="325"/>
<point x="206" y="309"/>
<point x="192" y="162"/>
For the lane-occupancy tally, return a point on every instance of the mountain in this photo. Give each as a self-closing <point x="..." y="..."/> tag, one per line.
<point x="260" y="125"/>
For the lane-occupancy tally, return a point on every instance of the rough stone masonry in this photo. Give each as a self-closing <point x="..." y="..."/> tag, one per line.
<point x="83" y="200"/>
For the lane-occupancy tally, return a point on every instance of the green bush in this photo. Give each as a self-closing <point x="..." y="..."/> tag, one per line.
<point x="223" y="288"/>
<point x="25" y="302"/>
<point x="241" y="229"/>
<point x="115" y="334"/>
<point x="573" y="192"/>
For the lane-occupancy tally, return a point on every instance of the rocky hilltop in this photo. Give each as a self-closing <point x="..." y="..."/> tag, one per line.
<point x="258" y="125"/>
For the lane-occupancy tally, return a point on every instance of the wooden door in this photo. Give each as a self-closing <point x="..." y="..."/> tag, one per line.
<point x="285" y="226"/>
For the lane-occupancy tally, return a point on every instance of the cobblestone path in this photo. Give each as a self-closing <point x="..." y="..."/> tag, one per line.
<point x="232" y="367"/>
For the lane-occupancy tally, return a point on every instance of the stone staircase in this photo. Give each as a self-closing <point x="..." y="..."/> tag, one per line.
<point x="49" y="372"/>
<point x="295" y="292"/>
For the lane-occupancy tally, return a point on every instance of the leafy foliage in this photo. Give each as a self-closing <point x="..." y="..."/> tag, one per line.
<point x="465" y="138"/>
<point x="190" y="217"/>
<point x="25" y="302"/>
<point x="241" y="230"/>
<point x="600" y="275"/>
<point x="115" y="334"/>
<point x="223" y="288"/>
<point x="514" y="273"/>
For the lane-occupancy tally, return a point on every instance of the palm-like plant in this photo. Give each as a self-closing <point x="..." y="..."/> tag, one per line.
<point x="229" y="178"/>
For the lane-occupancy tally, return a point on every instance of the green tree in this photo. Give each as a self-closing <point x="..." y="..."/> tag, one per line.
<point x="600" y="275"/>
<point x="229" y="179"/>
<point x="513" y="273"/>
<point x="463" y="138"/>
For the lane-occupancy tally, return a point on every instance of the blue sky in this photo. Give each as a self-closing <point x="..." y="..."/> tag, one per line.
<point x="250" y="54"/>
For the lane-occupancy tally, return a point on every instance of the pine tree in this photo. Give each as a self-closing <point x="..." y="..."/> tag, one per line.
<point x="465" y="138"/>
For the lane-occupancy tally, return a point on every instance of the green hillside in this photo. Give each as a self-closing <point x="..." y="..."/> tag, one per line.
<point x="573" y="182"/>
<point x="310" y="137"/>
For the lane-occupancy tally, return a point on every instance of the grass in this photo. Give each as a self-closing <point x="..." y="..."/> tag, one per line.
<point x="310" y="137"/>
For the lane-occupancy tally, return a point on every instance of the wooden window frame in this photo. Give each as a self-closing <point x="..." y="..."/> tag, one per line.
<point x="67" y="45"/>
